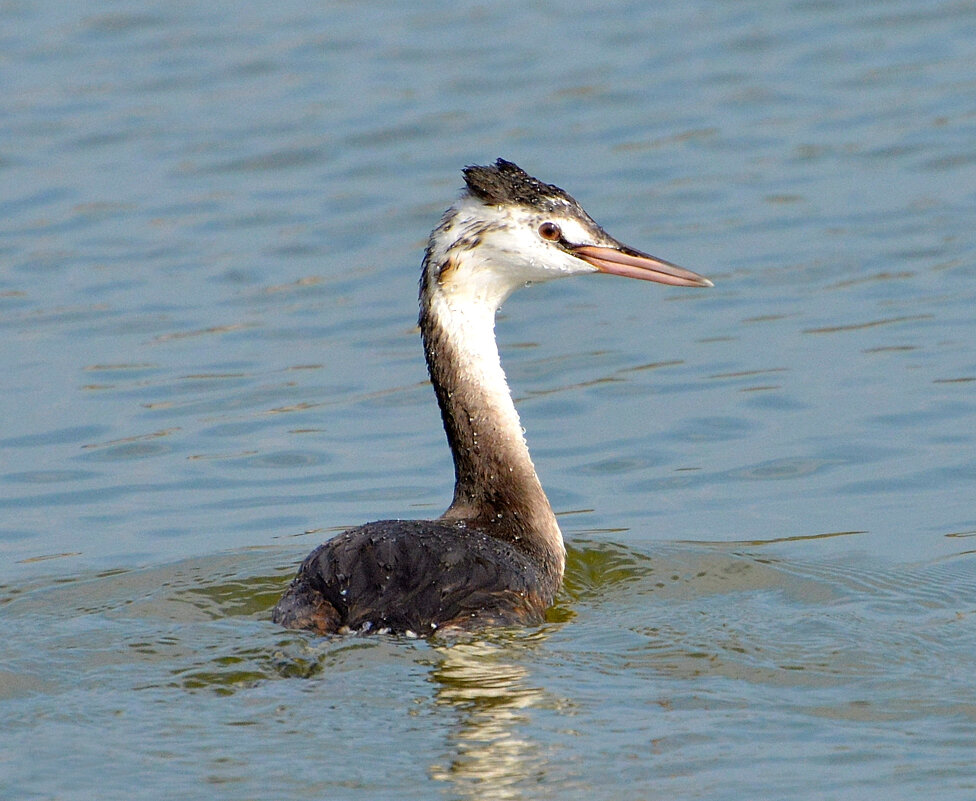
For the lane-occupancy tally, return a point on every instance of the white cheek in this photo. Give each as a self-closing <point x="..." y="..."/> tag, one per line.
<point x="575" y="233"/>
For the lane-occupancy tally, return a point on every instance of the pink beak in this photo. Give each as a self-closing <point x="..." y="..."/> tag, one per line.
<point x="634" y="264"/>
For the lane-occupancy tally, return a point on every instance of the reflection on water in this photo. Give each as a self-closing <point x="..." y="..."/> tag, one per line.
<point x="490" y="753"/>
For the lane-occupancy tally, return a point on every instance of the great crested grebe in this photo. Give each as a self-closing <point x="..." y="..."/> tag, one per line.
<point x="496" y="556"/>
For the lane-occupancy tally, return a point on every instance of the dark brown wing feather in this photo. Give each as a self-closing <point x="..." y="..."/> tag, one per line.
<point x="415" y="576"/>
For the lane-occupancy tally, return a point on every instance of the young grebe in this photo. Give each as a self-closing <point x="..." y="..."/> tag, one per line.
<point x="496" y="556"/>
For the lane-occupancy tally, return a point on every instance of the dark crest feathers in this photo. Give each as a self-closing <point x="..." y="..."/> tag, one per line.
<point x="504" y="182"/>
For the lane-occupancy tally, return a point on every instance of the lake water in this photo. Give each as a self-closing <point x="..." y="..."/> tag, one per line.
<point x="211" y="222"/>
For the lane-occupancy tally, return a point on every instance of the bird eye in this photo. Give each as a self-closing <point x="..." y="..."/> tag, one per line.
<point x="550" y="231"/>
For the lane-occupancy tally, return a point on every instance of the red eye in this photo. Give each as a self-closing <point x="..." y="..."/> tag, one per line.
<point x="550" y="231"/>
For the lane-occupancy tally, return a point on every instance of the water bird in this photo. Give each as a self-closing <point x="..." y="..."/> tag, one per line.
<point x="496" y="556"/>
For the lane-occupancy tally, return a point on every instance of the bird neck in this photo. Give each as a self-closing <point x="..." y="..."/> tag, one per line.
<point x="496" y="486"/>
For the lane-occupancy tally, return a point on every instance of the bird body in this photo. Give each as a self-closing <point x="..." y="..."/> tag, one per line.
<point x="496" y="556"/>
<point x="417" y="576"/>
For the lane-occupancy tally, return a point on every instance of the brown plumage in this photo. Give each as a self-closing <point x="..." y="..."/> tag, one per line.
<point x="416" y="576"/>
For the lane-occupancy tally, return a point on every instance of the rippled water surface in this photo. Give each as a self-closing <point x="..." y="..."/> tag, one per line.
<point x="211" y="223"/>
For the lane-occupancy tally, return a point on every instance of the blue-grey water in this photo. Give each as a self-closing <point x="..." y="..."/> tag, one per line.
<point x="211" y="222"/>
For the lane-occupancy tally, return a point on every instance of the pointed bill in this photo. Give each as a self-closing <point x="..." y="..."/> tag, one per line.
<point x="634" y="264"/>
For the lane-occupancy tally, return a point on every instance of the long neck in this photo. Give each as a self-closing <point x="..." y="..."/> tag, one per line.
<point x="496" y="486"/>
